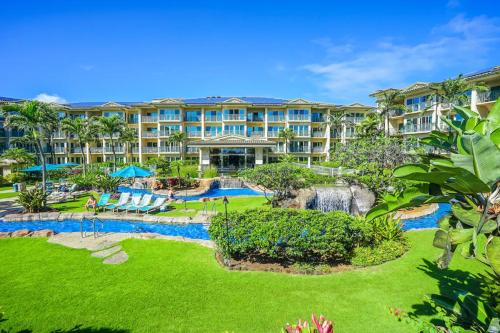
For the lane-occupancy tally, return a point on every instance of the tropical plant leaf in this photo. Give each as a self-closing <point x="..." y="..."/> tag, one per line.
<point x="494" y="115"/>
<point x="469" y="217"/>
<point x="440" y="239"/>
<point x="481" y="127"/>
<point x="493" y="253"/>
<point x="466" y="113"/>
<point x="470" y="124"/>
<point x="460" y="236"/>
<point x="495" y="137"/>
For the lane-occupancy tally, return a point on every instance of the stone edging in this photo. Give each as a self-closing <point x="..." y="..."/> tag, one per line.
<point x="56" y="216"/>
<point x="421" y="211"/>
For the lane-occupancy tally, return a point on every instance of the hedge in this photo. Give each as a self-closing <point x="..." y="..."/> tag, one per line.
<point x="290" y="235"/>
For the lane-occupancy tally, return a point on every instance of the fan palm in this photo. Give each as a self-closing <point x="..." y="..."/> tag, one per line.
<point x="30" y="118"/>
<point x="20" y="155"/>
<point x="179" y="138"/>
<point x="110" y="127"/>
<point x="84" y="131"/>
<point x="390" y="101"/>
<point x="287" y="134"/>
<point x="127" y="137"/>
<point x="51" y="126"/>
<point x="369" y="126"/>
<point x="336" y="121"/>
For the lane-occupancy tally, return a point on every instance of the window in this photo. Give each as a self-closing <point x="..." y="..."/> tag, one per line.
<point x="296" y="114"/>
<point x="299" y="146"/>
<point x="255" y="131"/>
<point x="317" y="117"/>
<point x="276" y="115"/>
<point x="234" y="129"/>
<point x="170" y="114"/>
<point x="255" y="116"/>
<point x="234" y="114"/>
<point x="419" y="103"/>
<point x="193" y="131"/>
<point x="193" y="116"/>
<point x="213" y="131"/>
<point x="133" y="118"/>
<point x="300" y="130"/>
<point x="166" y="130"/>
<point x="213" y="115"/>
<point x="108" y="114"/>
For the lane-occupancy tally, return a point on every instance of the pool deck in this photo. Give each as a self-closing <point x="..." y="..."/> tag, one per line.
<point x="56" y="216"/>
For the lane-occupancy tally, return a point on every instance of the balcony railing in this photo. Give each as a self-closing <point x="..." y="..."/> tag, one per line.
<point x="194" y="134"/>
<point x="135" y="150"/>
<point x="234" y="117"/>
<point x="150" y="150"/>
<point x="488" y="96"/>
<point x="255" y="119"/>
<point x="256" y="135"/>
<point x="318" y="134"/>
<point x="318" y="149"/>
<point x="302" y="133"/>
<point x="298" y="117"/>
<point x="318" y="119"/>
<point x="242" y="133"/>
<point x="149" y="134"/>
<point x="170" y="117"/>
<point x="396" y="113"/>
<point x="276" y="118"/>
<point x="118" y="150"/>
<point x="149" y="119"/>
<point x="96" y="150"/>
<point x="60" y="150"/>
<point x="193" y="119"/>
<point x="299" y="149"/>
<point x="417" y="128"/>
<point x="192" y="150"/>
<point x="75" y="150"/>
<point x="59" y="135"/>
<point x="278" y="149"/>
<point x="354" y="120"/>
<point x="168" y="149"/>
<point x="210" y="134"/>
<point x="213" y="118"/>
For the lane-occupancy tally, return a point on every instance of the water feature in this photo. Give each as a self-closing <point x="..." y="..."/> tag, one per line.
<point x="231" y="182"/>
<point x="429" y="220"/>
<point x="190" y="230"/>
<point x="333" y="198"/>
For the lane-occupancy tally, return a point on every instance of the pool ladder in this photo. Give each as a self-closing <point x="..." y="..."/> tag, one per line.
<point x="206" y="208"/>
<point x="95" y="222"/>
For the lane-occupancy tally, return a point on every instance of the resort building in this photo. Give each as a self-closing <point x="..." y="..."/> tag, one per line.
<point x="228" y="133"/>
<point x="422" y="113"/>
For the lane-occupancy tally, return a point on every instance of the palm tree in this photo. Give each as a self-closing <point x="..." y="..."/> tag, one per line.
<point x="369" y="126"/>
<point x="177" y="164"/>
<point x="84" y="131"/>
<point x="110" y="126"/>
<point x="30" y="117"/>
<point x="390" y="101"/>
<point x="51" y="126"/>
<point x="20" y="155"/>
<point x="287" y="134"/>
<point x="127" y="137"/>
<point x="454" y="91"/>
<point x="179" y="138"/>
<point x="336" y="121"/>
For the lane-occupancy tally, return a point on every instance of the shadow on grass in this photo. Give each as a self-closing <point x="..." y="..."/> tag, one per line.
<point x="76" y="329"/>
<point x="451" y="283"/>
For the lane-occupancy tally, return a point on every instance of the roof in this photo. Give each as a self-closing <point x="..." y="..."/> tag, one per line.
<point x="9" y="99"/>
<point x="220" y="100"/>
<point x="232" y="141"/>
<point x="100" y="104"/>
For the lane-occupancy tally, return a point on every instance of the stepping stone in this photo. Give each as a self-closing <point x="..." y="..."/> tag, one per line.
<point x="107" y="252"/>
<point x="116" y="259"/>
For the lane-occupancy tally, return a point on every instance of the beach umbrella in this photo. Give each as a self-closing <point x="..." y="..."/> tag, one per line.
<point x="132" y="171"/>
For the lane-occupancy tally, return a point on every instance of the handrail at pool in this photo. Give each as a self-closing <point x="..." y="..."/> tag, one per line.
<point x="92" y="220"/>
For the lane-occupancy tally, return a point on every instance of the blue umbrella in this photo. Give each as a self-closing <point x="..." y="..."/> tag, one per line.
<point x="131" y="172"/>
<point x="48" y="167"/>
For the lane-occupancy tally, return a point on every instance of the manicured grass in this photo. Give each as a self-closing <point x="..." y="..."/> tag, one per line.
<point x="175" y="209"/>
<point x="171" y="286"/>
<point x="6" y="188"/>
<point x="5" y="195"/>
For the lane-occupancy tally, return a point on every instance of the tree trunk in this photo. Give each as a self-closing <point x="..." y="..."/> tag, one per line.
<point x="113" y="151"/>
<point x="83" y="157"/>
<point x="286" y="146"/>
<point x="44" y="168"/>
<point x="386" y="124"/>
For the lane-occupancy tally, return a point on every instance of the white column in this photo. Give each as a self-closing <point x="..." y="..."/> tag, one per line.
<point x="474" y="98"/>
<point x="328" y="135"/>
<point x="87" y="146"/>
<point x="139" y="133"/>
<point x="266" y="121"/>
<point x="202" y="123"/>
<point x="259" y="156"/>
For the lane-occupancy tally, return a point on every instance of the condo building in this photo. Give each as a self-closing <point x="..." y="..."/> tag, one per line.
<point x="228" y="133"/>
<point x="422" y="113"/>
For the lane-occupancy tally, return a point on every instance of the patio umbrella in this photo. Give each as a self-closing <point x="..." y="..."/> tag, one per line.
<point x="132" y="171"/>
<point x="48" y="167"/>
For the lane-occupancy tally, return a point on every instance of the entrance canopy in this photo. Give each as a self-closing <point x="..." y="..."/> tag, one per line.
<point x="232" y="141"/>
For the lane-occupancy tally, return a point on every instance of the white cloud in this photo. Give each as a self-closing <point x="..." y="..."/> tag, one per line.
<point x="460" y="43"/>
<point x="43" y="97"/>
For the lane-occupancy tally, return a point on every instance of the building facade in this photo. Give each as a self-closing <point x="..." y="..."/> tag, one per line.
<point x="228" y="133"/>
<point x="423" y="113"/>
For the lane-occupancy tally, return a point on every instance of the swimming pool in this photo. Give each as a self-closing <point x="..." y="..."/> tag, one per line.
<point x="190" y="230"/>
<point x="427" y="221"/>
<point x="212" y="193"/>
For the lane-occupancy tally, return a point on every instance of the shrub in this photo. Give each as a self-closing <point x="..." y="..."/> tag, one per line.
<point x="210" y="172"/>
<point x="387" y="228"/>
<point x="15" y="177"/>
<point x="33" y="201"/>
<point x="86" y="181"/>
<point x="107" y="183"/>
<point x="287" y="235"/>
<point x="385" y="251"/>
<point x="321" y="325"/>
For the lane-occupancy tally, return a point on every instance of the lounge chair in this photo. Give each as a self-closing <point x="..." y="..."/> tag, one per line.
<point x="103" y="200"/>
<point x="146" y="200"/>
<point x="122" y="201"/>
<point x="155" y="206"/>
<point x="135" y="201"/>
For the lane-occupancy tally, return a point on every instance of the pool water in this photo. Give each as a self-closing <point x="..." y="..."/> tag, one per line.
<point x="212" y="193"/>
<point x="427" y="221"/>
<point x="190" y="230"/>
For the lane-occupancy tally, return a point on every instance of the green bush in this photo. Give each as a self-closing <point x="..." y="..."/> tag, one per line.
<point x="190" y="171"/>
<point x="33" y="201"/>
<point x="87" y="181"/>
<point x="210" y="172"/>
<point x="15" y="177"/>
<point x="288" y="235"/>
<point x="385" y="251"/>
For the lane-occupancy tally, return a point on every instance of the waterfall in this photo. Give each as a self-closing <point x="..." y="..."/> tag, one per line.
<point x="231" y="182"/>
<point x="333" y="198"/>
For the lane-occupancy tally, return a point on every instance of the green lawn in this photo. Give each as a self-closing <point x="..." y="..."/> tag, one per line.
<point x="175" y="209"/>
<point x="6" y="188"/>
<point x="171" y="286"/>
<point x="5" y="195"/>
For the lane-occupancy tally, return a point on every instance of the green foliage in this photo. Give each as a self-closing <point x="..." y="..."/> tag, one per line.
<point x="86" y="181"/>
<point x="33" y="201"/>
<point x="210" y="172"/>
<point x="161" y="164"/>
<point x="280" y="178"/>
<point x="287" y="235"/>
<point x="387" y="228"/>
<point x="106" y="183"/>
<point x="21" y="157"/>
<point x="15" y="177"/>
<point x="383" y="251"/>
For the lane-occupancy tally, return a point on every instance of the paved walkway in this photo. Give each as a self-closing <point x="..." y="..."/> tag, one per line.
<point x="107" y="247"/>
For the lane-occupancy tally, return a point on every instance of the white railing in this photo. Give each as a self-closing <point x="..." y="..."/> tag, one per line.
<point x="325" y="170"/>
<point x="488" y="96"/>
<point x="194" y="134"/>
<point x="75" y="150"/>
<point x="213" y="118"/>
<point x="168" y="149"/>
<point x="109" y="150"/>
<point x="146" y="134"/>
<point x="210" y="134"/>
<point x="318" y="134"/>
<point x="273" y="134"/>
<point x="318" y="149"/>
<point x="240" y="116"/>
<point x="170" y="118"/>
<point x="150" y="150"/>
<point x="192" y="149"/>
<point x="257" y="135"/>
<point x="149" y="119"/>
<point x="417" y="128"/>
<point x="276" y="118"/>
<point x="59" y="150"/>
<point x="96" y="150"/>
<point x="298" y="117"/>
<point x="278" y="149"/>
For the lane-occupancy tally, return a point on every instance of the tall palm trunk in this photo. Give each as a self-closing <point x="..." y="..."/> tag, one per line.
<point x="113" y="151"/>
<point x="82" y="151"/>
<point x="42" y="161"/>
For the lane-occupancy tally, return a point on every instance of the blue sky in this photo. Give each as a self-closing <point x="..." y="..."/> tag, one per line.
<point x="332" y="51"/>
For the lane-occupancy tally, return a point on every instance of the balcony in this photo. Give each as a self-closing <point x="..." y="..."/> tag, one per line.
<point x="256" y="135"/>
<point x="194" y="134"/>
<point x="298" y="117"/>
<point x="254" y="119"/>
<point x="212" y="134"/>
<point x="318" y="119"/>
<point x="75" y="150"/>
<point x="59" y="135"/>
<point x="242" y="133"/>
<point x="150" y="150"/>
<point x="302" y="134"/>
<point x="96" y="150"/>
<point x="193" y="119"/>
<point x="60" y="150"/>
<point x="318" y="149"/>
<point x="278" y="149"/>
<point x="169" y="149"/>
<point x="417" y="128"/>
<point x="276" y="118"/>
<point x="396" y="113"/>
<point x="192" y="150"/>
<point x="149" y="119"/>
<point x="234" y="117"/>
<point x="354" y="120"/>
<point x="488" y="96"/>
<point x="106" y="136"/>
<point x="213" y="118"/>
<point x="318" y="134"/>
<point x="118" y="150"/>
<point x="170" y="118"/>
<point x="273" y="134"/>
<point x="135" y="150"/>
<point x="299" y="149"/>
<point x="147" y="134"/>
